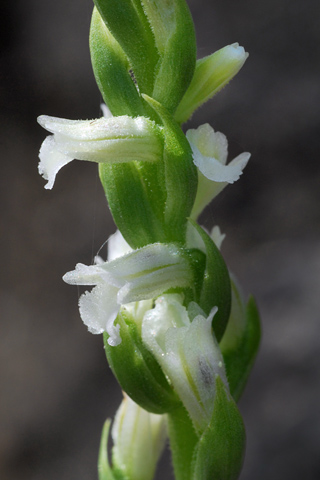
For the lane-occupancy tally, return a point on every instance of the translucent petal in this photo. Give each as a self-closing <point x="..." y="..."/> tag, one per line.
<point x="99" y="309"/>
<point x="211" y="168"/>
<point x="144" y="260"/>
<point x="51" y="161"/>
<point x="153" y="284"/>
<point x="84" y="275"/>
<point x="208" y="142"/>
<point x="117" y="246"/>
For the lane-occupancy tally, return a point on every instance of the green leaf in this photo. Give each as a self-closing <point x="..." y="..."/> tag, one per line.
<point x="180" y="175"/>
<point x="220" y="451"/>
<point x="175" y="38"/>
<point x="240" y="359"/>
<point x="216" y="287"/>
<point x="111" y="70"/>
<point x="137" y="371"/>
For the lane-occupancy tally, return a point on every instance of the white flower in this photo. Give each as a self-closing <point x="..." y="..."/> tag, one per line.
<point x="210" y="153"/>
<point x="139" y="438"/>
<point x="187" y="352"/>
<point x="139" y="275"/>
<point x="104" y="140"/>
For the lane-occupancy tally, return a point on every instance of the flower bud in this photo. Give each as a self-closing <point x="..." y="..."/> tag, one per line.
<point x="212" y="73"/>
<point x="139" y="438"/>
<point x="138" y="441"/>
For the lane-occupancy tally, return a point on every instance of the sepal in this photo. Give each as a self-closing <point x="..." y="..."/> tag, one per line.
<point x="220" y="451"/>
<point x="137" y="371"/>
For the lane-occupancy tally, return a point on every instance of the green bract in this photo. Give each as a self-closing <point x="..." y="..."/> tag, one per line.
<point x="137" y="371"/>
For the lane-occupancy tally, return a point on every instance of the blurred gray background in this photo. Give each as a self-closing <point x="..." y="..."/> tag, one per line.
<point x="56" y="387"/>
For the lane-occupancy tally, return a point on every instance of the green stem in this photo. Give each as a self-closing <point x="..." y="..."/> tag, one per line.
<point x="183" y="440"/>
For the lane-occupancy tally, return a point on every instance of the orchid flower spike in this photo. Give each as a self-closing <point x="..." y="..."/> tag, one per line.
<point x="210" y="153"/>
<point x="104" y="140"/>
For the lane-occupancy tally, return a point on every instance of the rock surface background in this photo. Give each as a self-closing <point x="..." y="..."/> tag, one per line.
<point x="56" y="388"/>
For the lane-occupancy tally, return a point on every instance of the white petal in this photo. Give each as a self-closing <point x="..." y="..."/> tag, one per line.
<point x="105" y="111"/>
<point x="97" y="129"/>
<point x="99" y="309"/>
<point x="144" y="260"/>
<point x="153" y="284"/>
<point x="84" y="275"/>
<point x="212" y="169"/>
<point x="167" y="313"/>
<point x="217" y="236"/>
<point x="51" y="160"/>
<point x="208" y="142"/>
<point x="117" y="246"/>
